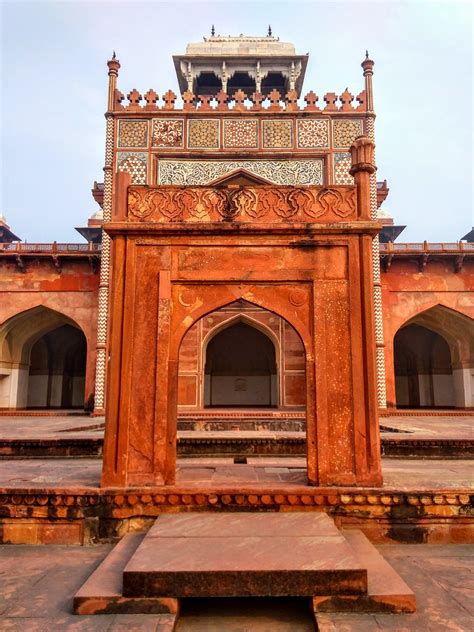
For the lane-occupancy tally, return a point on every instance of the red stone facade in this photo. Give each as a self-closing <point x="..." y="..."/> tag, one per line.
<point x="288" y="160"/>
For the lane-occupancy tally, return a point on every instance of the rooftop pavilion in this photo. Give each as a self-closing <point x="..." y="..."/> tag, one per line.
<point x="247" y="63"/>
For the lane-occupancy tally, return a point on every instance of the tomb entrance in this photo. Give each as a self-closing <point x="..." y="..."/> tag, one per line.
<point x="302" y="252"/>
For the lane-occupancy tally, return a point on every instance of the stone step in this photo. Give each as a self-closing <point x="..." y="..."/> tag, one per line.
<point x="387" y="592"/>
<point x="102" y="592"/>
<point x="244" y="554"/>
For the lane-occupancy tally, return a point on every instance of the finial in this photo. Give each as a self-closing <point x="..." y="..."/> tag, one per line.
<point x="114" y="56"/>
<point x="213" y="31"/>
<point x="366" y="54"/>
<point x="269" y="31"/>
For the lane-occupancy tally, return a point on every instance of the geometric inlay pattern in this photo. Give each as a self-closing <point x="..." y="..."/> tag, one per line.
<point x="194" y="172"/>
<point x="240" y="133"/>
<point x="133" y="134"/>
<point x="203" y="134"/>
<point x="134" y="163"/>
<point x="342" y="164"/>
<point x="167" y="132"/>
<point x="277" y="134"/>
<point x="345" y="131"/>
<point x="313" y="133"/>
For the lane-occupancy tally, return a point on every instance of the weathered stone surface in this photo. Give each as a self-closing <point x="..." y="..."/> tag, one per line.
<point x="102" y="592"/>
<point x="246" y="555"/>
<point x="387" y="592"/>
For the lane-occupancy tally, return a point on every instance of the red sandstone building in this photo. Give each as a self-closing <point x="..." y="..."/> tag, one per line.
<point x="245" y="124"/>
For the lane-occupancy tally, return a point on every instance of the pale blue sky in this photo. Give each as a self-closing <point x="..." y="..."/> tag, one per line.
<point x="55" y="82"/>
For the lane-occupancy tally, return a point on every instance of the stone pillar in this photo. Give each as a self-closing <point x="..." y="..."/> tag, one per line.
<point x="463" y="383"/>
<point x="102" y="314"/>
<point x="367" y="66"/>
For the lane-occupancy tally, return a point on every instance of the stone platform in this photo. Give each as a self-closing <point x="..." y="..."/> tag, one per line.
<point x="243" y="555"/>
<point x="218" y="433"/>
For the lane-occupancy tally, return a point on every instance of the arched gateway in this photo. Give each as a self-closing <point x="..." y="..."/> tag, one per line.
<point x="303" y="253"/>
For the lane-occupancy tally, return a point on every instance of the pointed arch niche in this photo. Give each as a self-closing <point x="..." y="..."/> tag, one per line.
<point x="433" y="360"/>
<point x="241" y="356"/>
<point x="42" y="360"/>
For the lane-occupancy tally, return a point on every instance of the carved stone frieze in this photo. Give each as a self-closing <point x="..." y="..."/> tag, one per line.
<point x="202" y="172"/>
<point x="248" y="204"/>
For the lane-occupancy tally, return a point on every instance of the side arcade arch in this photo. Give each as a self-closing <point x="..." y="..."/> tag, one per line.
<point x="42" y="361"/>
<point x="434" y="360"/>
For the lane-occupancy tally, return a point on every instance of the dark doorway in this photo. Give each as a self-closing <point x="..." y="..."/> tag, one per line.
<point x="57" y="369"/>
<point x="423" y="369"/>
<point x="240" y="368"/>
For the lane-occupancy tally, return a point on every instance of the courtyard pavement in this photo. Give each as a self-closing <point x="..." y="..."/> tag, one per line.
<point x="37" y="584"/>
<point x="399" y="473"/>
<point x="415" y="426"/>
<point x="402" y="474"/>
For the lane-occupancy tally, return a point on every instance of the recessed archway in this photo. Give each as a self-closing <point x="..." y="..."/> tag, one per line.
<point x="433" y="354"/>
<point x="423" y="369"/>
<point x="240" y="368"/>
<point x="267" y="351"/>
<point x="42" y="359"/>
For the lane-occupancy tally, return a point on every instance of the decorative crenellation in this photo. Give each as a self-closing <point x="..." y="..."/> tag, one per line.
<point x="249" y="204"/>
<point x="202" y="172"/>
<point x="241" y="102"/>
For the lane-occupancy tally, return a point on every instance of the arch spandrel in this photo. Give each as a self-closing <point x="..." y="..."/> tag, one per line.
<point x="290" y="301"/>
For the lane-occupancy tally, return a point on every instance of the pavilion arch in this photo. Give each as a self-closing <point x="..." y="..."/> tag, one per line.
<point x="255" y="324"/>
<point x="433" y="359"/>
<point x="207" y="378"/>
<point x="196" y="312"/>
<point x="36" y="345"/>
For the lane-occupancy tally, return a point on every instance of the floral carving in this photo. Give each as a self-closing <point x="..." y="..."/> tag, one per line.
<point x="167" y="133"/>
<point x="276" y="200"/>
<point x="166" y="203"/>
<point x="275" y="204"/>
<point x="218" y="200"/>
<point x="244" y="202"/>
<point x="305" y="200"/>
<point x="197" y="172"/>
<point x="139" y="206"/>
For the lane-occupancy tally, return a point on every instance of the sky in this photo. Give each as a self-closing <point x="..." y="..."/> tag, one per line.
<point x="54" y="94"/>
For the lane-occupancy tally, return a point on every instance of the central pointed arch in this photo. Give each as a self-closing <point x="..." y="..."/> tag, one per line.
<point x="240" y="358"/>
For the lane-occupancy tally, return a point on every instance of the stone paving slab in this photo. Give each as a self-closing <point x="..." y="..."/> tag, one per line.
<point x="243" y="566"/>
<point x="243" y="554"/>
<point x="270" y="525"/>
